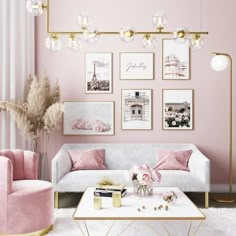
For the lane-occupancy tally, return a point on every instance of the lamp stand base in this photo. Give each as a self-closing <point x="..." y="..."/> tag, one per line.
<point x="224" y="199"/>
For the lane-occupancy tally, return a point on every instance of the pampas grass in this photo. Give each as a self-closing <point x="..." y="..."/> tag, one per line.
<point x="40" y="110"/>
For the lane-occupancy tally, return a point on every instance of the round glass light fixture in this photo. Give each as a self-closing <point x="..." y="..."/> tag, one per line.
<point x="159" y="20"/>
<point x="74" y="42"/>
<point x="91" y="35"/>
<point x="196" y="42"/>
<point x="180" y="35"/>
<point x="149" y="41"/>
<point x="219" y="62"/>
<point x="127" y="34"/>
<point x="35" y="7"/>
<point x="84" y="21"/>
<point x="53" y="43"/>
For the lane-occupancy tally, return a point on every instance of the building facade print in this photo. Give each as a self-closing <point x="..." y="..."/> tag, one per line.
<point x="136" y="106"/>
<point x="173" y="67"/>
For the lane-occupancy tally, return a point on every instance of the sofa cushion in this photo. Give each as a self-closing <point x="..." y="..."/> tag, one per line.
<point x="75" y="180"/>
<point x="173" y="160"/>
<point x="87" y="160"/>
<point x="27" y="187"/>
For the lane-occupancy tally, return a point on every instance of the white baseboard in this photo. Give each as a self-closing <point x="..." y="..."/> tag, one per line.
<point x="222" y="188"/>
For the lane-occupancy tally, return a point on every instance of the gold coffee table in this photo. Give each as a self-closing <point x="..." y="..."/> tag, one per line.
<point x="145" y="209"/>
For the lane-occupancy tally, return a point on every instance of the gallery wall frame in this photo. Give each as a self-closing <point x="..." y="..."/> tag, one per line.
<point x="98" y="72"/>
<point x="177" y="109"/>
<point x="88" y="118"/>
<point x="136" y="65"/>
<point x="136" y="109"/>
<point x="176" y="60"/>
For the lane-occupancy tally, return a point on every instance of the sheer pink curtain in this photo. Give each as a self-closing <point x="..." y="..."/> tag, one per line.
<point x="17" y="61"/>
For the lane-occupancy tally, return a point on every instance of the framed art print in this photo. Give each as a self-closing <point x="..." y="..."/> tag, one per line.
<point x="177" y="109"/>
<point x="136" y="66"/>
<point x="175" y="60"/>
<point x="98" y="72"/>
<point x="88" y="118"/>
<point x="136" y="109"/>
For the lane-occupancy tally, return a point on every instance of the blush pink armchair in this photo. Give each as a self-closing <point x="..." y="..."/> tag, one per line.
<point x="26" y="204"/>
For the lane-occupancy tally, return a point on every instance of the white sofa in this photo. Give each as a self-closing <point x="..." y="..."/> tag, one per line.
<point x="120" y="157"/>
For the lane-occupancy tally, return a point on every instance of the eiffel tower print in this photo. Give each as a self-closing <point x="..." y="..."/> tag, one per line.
<point x="94" y="72"/>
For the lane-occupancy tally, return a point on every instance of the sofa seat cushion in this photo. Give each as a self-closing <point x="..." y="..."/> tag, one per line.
<point x="75" y="180"/>
<point x="186" y="181"/>
<point x="30" y="199"/>
<point x="28" y="187"/>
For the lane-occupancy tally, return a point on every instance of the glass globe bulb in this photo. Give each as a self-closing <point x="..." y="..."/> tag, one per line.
<point x="127" y="34"/>
<point x="219" y="62"/>
<point x="159" y="20"/>
<point x="196" y="42"/>
<point x="149" y="42"/>
<point x="53" y="43"/>
<point x="35" y="7"/>
<point x="180" y="35"/>
<point x="84" y="21"/>
<point x="74" y="43"/>
<point x="91" y="35"/>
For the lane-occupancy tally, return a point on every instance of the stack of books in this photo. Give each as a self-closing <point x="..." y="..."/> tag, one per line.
<point x="107" y="190"/>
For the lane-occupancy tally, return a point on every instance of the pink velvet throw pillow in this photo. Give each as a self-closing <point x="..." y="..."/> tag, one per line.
<point x="87" y="159"/>
<point x="173" y="160"/>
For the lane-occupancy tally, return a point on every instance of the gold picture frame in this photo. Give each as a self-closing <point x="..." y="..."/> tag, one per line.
<point x="136" y="109"/>
<point x="98" y="72"/>
<point x="136" y="65"/>
<point x="177" y="109"/>
<point x="89" y="118"/>
<point x="176" y="60"/>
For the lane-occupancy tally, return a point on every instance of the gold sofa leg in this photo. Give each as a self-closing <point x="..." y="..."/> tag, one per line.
<point x="206" y="199"/>
<point x="55" y="199"/>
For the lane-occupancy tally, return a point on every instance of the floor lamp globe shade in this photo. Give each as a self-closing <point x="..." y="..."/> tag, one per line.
<point x="219" y="62"/>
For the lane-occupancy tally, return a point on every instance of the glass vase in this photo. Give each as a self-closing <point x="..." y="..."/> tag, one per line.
<point x="142" y="190"/>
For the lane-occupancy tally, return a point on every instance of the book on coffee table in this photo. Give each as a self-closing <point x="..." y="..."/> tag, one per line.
<point x="110" y="187"/>
<point x="108" y="193"/>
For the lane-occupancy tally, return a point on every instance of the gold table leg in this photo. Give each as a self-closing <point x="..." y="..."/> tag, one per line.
<point x="206" y="200"/>
<point x="55" y="199"/>
<point x="152" y="228"/>
<point x="80" y="228"/>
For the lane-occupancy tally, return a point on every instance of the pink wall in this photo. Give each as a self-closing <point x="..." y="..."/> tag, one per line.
<point x="211" y="108"/>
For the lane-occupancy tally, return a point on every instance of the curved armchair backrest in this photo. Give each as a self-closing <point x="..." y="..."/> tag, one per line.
<point x="24" y="163"/>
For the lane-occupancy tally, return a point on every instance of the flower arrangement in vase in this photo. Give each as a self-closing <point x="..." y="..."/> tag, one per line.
<point x="143" y="177"/>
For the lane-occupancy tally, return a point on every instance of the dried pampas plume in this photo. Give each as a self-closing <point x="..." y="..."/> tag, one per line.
<point x="41" y="109"/>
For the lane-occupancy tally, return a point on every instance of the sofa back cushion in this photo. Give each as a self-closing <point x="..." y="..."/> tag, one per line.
<point x="123" y="156"/>
<point x="87" y="159"/>
<point x="173" y="160"/>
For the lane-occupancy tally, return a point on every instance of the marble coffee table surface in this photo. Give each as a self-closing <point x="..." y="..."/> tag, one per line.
<point x="139" y="208"/>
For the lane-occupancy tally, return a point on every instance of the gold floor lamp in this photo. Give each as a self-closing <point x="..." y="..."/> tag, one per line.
<point x="220" y="62"/>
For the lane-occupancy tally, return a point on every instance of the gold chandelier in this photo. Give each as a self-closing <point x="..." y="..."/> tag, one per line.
<point x="127" y="34"/>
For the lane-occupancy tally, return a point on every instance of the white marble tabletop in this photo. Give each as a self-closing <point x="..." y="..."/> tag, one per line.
<point x="182" y="209"/>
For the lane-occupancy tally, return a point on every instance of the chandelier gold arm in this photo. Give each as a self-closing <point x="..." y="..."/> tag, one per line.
<point x="158" y="32"/>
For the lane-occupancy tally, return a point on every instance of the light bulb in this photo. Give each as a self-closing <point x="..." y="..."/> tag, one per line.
<point x="84" y="21"/>
<point x="149" y="41"/>
<point x="159" y="20"/>
<point x="91" y="35"/>
<point x="127" y="34"/>
<point x="219" y="62"/>
<point x="53" y="43"/>
<point x="35" y="7"/>
<point x="180" y="35"/>
<point x="196" y="42"/>
<point x="74" y="43"/>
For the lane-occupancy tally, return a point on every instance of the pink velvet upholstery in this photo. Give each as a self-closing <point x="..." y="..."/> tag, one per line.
<point x="26" y="204"/>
